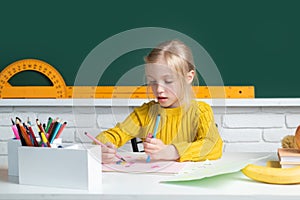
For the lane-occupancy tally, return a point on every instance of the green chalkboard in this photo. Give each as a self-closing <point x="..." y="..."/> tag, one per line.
<point x="253" y="42"/>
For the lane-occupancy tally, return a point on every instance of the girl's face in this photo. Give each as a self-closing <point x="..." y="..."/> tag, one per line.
<point x="165" y="84"/>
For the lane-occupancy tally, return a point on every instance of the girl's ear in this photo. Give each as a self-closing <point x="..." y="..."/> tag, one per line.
<point x="190" y="76"/>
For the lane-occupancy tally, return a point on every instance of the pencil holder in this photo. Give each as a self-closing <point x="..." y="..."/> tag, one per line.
<point x="76" y="166"/>
<point x="12" y="150"/>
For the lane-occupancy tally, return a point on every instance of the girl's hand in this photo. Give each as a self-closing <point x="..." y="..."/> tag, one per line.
<point x="157" y="150"/>
<point x="108" y="153"/>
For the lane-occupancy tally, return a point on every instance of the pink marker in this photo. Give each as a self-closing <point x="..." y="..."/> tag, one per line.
<point x="15" y="129"/>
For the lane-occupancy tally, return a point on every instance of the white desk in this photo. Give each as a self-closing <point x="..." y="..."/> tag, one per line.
<point x="145" y="186"/>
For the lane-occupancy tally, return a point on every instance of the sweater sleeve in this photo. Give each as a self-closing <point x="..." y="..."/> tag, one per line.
<point x="207" y="143"/>
<point x="126" y="130"/>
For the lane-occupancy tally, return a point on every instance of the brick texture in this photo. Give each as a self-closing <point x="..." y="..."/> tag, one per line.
<point x="245" y="129"/>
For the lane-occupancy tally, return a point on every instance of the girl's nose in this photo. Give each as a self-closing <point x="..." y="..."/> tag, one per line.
<point x="159" y="88"/>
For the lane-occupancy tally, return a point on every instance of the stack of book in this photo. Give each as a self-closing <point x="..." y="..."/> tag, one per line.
<point x="288" y="157"/>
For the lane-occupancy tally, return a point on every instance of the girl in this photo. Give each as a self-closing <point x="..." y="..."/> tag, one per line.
<point x="186" y="131"/>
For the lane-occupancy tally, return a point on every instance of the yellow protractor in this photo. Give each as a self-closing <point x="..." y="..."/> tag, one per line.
<point x="58" y="90"/>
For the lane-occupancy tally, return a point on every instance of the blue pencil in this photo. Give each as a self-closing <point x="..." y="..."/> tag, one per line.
<point x="154" y="133"/>
<point x="55" y="131"/>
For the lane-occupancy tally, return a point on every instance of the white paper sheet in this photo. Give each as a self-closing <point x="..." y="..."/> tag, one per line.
<point x="136" y="163"/>
<point x="227" y="164"/>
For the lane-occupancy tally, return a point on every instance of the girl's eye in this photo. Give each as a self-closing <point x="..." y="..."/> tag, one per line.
<point x="169" y="81"/>
<point x="152" y="82"/>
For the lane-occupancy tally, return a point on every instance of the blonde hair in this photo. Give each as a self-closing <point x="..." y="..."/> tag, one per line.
<point x="179" y="57"/>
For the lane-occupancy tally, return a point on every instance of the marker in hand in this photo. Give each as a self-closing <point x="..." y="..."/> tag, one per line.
<point x="154" y="133"/>
<point x="102" y="145"/>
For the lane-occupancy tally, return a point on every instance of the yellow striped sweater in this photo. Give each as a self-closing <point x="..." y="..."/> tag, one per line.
<point x="193" y="131"/>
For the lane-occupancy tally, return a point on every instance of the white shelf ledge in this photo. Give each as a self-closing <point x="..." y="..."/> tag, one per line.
<point x="264" y="102"/>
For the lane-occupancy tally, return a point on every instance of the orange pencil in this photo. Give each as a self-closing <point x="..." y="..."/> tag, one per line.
<point x="24" y="134"/>
<point x="21" y="135"/>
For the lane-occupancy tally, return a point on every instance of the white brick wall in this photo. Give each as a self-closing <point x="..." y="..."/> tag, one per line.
<point x="3" y="155"/>
<point x="241" y="135"/>
<point x="275" y="135"/>
<point x="251" y="147"/>
<point x="292" y="120"/>
<point x="246" y="128"/>
<point x="255" y="120"/>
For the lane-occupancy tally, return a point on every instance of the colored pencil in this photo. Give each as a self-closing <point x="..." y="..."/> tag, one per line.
<point x="51" y="127"/>
<point x="38" y="123"/>
<point x="24" y="134"/>
<point x="154" y="132"/>
<point x="28" y="121"/>
<point x="18" y="121"/>
<point x="36" y="144"/>
<point x="21" y="135"/>
<point x="101" y="144"/>
<point x="44" y="139"/>
<point x="28" y="133"/>
<point x="15" y="129"/>
<point x="60" y="130"/>
<point x="48" y="124"/>
<point x="54" y="132"/>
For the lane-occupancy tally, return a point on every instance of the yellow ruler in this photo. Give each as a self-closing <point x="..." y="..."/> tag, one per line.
<point x="145" y="92"/>
<point x="60" y="90"/>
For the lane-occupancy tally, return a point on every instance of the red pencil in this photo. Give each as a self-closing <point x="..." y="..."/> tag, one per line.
<point x="35" y="143"/>
<point x="60" y="130"/>
<point x="40" y="126"/>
